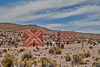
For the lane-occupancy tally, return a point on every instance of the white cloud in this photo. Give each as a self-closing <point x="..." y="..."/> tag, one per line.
<point x="28" y="9"/>
<point x="83" y="10"/>
<point x="52" y="15"/>
<point x="55" y="25"/>
<point x="94" y="17"/>
<point x="84" y="23"/>
<point x="89" y="30"/>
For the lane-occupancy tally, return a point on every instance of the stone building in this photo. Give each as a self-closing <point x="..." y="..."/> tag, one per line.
<point x="68" y="37"/>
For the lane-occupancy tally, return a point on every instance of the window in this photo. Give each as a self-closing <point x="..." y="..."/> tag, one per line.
<point x="61" y="35"/>
<point x="69" y="35"/>
<point x="65" y="35"/>
<point x="73" y="35"/>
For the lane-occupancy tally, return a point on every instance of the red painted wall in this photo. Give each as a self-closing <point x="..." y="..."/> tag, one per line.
<point x="69" y="35"/>
<point x="33" y="37"/>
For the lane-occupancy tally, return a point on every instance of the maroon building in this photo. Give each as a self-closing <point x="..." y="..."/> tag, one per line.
<point x="68" y="37"/>
<point x="33" y="38"/>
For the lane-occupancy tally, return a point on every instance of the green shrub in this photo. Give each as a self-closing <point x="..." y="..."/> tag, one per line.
<point x="67" y="57"/>
<point x="4" y="50"/>
<point x="91" y="47"/>
<point x="56" y="50"/>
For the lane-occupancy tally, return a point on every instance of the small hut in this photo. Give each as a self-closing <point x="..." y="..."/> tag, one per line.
<point x="68" y="37"/>
<point x="33" y="38"/>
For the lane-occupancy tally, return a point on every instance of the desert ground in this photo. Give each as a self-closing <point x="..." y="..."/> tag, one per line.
<point x="70" y="48"/>
<point x="12" y="51"/>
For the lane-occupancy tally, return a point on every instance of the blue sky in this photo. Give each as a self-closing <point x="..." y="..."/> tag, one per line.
<point x="70" y="15"/>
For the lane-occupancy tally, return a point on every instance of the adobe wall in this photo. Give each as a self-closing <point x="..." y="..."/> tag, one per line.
<point x="66" y="37"/>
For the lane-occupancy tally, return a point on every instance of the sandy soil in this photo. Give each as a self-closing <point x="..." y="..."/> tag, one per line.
<point x="71" y="49"/>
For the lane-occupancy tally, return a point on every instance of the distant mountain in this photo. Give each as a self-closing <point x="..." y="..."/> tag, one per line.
<point x="16" y="27"/>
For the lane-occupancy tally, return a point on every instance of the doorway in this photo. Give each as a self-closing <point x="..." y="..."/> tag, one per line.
<point x="67" y="42"/>
<point x="33" y="44"/>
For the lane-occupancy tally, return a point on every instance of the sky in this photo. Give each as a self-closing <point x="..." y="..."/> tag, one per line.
<point x="69" y="15"/>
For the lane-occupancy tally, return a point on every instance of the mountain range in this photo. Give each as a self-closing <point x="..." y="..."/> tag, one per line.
<point x="17" y="27"/>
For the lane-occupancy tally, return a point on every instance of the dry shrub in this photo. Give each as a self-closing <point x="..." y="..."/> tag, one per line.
<point x="27" y="55"/>
<point x="78" y="59"/>
<point x="97" y="59"/>
<point x="95" y="64"/>
<point x="8" y="60"/>
<point x="91" y="47"/>
<point x="99" y="51"/>
<point x="67" y="57"/>
<point x="4" y="50"/>
<point x="56" y="50"/>
<point x="45" y="62"/>
<point x="26" y="60"/>
<point x="22" y="49"/>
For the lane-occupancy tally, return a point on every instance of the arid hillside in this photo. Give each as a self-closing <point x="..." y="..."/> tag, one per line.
<point x="16" y="27"/>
